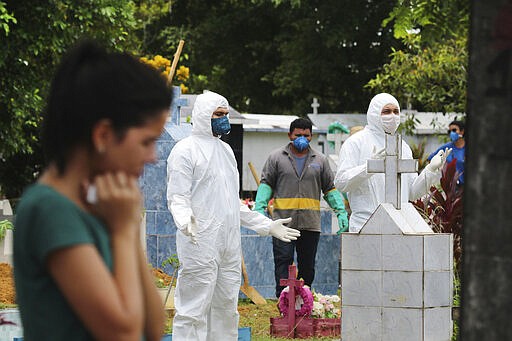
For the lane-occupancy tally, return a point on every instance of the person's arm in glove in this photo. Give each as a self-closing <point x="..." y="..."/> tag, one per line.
<point x="262" y="197"/>
<point x="430" y="175"/>
<point x="265" y="226"/>
<point x="282" y="232"/>
<point x="438" y="161"/>
<point x="189" y="229"/>
<point x="335" y="201"/>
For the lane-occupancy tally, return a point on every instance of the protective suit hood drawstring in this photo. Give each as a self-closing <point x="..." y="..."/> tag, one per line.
<point x="204" y="107"/>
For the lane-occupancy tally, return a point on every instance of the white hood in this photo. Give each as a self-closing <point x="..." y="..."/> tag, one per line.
<point x="204" y="107"/>
<point x="374" y="110"/>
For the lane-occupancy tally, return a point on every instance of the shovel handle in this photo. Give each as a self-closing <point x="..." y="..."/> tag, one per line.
<point x="244" y="272"/>
<point x="254" y="173"/>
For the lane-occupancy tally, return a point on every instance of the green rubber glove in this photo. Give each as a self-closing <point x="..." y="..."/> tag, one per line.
<point x="262" y="197"/>
<point x="335" y="201"/>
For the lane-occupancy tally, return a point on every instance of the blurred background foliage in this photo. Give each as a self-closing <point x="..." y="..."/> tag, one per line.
<point x="265" y="56"/>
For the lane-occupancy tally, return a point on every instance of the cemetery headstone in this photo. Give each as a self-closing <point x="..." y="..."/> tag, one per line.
<point x="396" y="273"/>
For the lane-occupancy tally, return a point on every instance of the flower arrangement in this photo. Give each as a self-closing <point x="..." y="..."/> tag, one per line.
<point x="303" y="301"/>
<point x="326" y="306"/>
<point x="248" y="202"/>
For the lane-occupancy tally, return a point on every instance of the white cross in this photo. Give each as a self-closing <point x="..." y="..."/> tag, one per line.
<point x="315" y="105"/>
<point x="392" y="166"/>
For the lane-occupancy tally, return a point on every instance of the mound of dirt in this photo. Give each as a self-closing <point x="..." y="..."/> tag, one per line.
<point x="161" y="277"/>
<point x="7" y="293"/>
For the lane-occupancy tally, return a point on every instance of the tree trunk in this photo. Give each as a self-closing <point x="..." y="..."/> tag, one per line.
<point x="487" y="235"/>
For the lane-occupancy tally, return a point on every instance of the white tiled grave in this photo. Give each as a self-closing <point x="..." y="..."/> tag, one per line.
<point x="396" y="279"/>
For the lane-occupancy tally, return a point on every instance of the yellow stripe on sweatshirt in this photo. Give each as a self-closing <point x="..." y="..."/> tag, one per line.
<point x="296" y="204"/>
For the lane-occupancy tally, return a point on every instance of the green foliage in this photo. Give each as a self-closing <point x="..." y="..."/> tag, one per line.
<point x="4" y="226"/>
<point x="427" y="79"/>
<point x="407" y="127"/>
<point x="267" y="56"/>
<point x="418" y="153"/>
<point x="5" y="18"/>
<point x="172" y="261"/>
<point x="435" y="19"/>
<point x="443" y="208"/>
<point x="429" y="73"/>
<point x="38" y="34"/>
<point x="7" y="306"/>
<point x="147" y="13"/>
<point x="272" y="56"/>
<point x="160" y="283"/>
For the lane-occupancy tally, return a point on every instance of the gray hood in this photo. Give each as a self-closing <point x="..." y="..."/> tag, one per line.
<point x="204" y="106"/>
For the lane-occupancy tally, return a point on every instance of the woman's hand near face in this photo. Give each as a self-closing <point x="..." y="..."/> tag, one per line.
<point x="119" y="202"/>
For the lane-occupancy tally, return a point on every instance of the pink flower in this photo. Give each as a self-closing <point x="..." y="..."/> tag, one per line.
<point x="325" y="306"/>
<point x="302" y="294"/>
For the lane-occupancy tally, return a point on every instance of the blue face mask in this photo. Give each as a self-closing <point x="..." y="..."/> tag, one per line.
<point x="454" y="136"/>
<point x="301" y="143"/>
<point x="221" y="126"/>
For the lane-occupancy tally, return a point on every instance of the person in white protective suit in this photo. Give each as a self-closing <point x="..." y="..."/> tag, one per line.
<point x="365" y="190"/>
<point x="202" y="195"/>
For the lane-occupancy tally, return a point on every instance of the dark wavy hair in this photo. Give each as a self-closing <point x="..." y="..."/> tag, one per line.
<point x="301" y="123"/>
<point x="92" y="84"/>
<point x="459" y="124"/>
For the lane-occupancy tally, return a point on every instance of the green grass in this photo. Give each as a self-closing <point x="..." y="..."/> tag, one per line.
<point x="257" y="317"/>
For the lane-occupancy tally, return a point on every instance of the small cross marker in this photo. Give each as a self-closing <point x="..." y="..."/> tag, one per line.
<point x="315" y="105"/>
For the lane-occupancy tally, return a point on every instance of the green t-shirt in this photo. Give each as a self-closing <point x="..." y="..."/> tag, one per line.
<point x="46" y="221"/>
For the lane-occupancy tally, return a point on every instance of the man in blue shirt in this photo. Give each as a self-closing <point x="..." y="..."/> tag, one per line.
<point x="458" y="146"/>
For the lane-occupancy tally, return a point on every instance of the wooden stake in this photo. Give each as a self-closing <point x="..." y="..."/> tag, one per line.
<point x="254" y="173"/>
<point x="175" y="61"/>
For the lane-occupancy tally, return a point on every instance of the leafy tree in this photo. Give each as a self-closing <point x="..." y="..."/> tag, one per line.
<point x="274" y="56"/>
<point x="329" y="50"/>
<point x="430" y="72"/>
<point x="33" y="36"/>
<point x="5" y="18"/>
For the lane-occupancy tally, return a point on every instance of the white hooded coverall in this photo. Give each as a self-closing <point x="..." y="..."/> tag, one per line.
<point x="366" y="191"/>
<point x="203" y="183"/>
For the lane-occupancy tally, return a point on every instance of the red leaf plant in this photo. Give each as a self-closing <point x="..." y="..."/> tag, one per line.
<point x="443" y="208"/>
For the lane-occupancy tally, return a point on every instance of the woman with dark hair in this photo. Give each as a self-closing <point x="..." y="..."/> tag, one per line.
<point x="79" y="267"/>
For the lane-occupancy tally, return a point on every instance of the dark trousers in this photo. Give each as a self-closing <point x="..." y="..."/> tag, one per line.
<point x="305" y="246"/>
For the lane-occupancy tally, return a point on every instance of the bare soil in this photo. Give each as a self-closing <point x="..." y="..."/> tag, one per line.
<point x="7" y="293"/>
